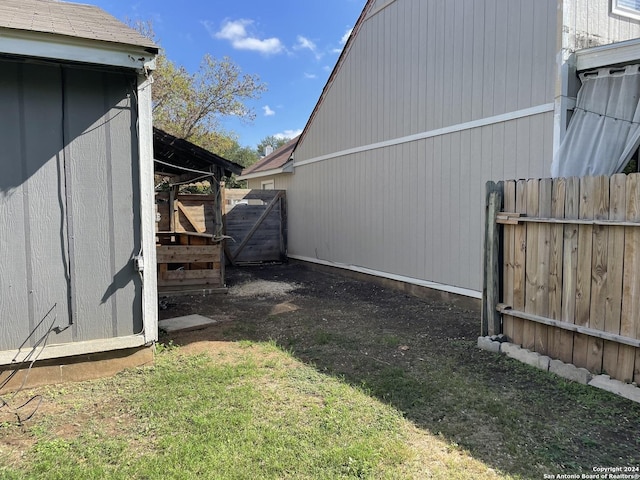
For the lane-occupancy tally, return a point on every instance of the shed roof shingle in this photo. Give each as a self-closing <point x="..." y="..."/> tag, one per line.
<point x="69" y="19"/>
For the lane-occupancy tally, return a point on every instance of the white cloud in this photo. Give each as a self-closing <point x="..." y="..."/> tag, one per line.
<point x="306" y="44"/>
<point x="267" y="111"/>
<point x="310" y="76"/>
<point x="236" y="32"/>
<point x="346" y="36"/>
<point x="343" y="41"/>
<point x="289" y="133"/>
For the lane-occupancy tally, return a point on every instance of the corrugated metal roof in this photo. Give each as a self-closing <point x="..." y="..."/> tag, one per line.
<point x="69" y="19"/>
<point x="177" y="153"/>
<point x="275" y="160"/>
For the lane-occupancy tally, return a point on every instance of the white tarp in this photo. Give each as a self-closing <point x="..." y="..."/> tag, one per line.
<point x="604" y="131"/>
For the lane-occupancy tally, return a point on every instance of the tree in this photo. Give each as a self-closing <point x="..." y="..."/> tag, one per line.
<point x="189" y="105"/>
<point x="274" y="142"/>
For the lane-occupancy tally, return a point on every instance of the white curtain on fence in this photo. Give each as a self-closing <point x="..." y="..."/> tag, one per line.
<point x="604" y="131"/>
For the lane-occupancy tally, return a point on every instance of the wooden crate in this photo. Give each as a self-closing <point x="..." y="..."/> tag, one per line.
<point x="189" y="262"/>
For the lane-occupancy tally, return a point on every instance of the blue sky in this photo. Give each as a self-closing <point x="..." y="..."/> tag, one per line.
<point x="292" y="45"/>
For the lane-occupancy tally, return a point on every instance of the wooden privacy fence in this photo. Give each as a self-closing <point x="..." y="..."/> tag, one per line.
<point x="256" y="226"/>
<point x="562" y="269"/>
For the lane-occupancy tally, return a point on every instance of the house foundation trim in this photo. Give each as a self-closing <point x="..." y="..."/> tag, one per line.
<point x="392" y="276"/>
<point x="29" y="354"/>
<point x="482" y="122"/>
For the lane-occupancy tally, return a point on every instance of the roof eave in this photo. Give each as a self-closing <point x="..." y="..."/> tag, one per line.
<point x="74" y="49"/>
<point x="286" y="168"/>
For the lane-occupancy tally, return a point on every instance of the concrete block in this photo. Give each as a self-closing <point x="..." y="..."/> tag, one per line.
<point x="188" y="322"/>
<point x="570" y="372"/>
<point x="507" y="347"/>
<point x="525" y="356"/>
<point x="485" y="343"/>
<point x="604" y="382"/>
<point x="543" y="362"/>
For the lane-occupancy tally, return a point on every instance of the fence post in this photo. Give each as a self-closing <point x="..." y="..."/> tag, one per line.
<point x="491" y="319"/>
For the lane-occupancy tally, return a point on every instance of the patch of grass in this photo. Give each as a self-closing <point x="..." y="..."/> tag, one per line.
<point x="390" y="340"/>
<point x="249" y="410"/>
<point x="322" y="337"/>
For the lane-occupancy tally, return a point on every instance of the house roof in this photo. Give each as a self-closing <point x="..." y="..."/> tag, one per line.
<point x="176" y="156"/>
<point x="343" y="55"/>
<point x="274" y="160"/>
<point x="71" y="20"/>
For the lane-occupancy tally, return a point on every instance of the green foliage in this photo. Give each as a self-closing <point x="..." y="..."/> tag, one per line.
<point x="274" y="142"/>
<point x="189" y="105"/>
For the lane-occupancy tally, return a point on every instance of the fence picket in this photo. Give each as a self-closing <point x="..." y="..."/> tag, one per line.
<point x="555" y="266"/>
<point x="583" y="276"/>
<point x="542" y="278"/>
<point x="630" y="280"/>
<point x="599" y="278"/>
<point x="508" y="256"/>
<point x="532" y="264"/>
<point x="519" y="262"/>
<point x="615" y="255"/>
<point x="569" y="268"/>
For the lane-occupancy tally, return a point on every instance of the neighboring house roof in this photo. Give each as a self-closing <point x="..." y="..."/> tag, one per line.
<point x="71" y="20"/>
<point x="176" y="156"/>
<point x="271" y="164"/>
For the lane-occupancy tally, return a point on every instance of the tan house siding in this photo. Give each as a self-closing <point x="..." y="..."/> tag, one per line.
<point x="429" y="101"/>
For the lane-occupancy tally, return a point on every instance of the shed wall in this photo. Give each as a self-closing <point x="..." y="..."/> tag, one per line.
<point x="458" y="93"/>
<point x="69" y="215"/>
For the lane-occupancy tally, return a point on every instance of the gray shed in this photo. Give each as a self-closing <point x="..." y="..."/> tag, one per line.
<point x="76" y="188"/>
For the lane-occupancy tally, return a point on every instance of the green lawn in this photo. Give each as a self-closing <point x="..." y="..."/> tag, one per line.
<point x="240" y="410"/>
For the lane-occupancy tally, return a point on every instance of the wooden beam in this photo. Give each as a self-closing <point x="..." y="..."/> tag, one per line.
<point x="173" y="211"/>
<point x="491" y="321"/>
<point x="517" y="218"/>
<point x="506" y="309"/>
<point x="187" y="254"/>
<point x="190" y="219"/>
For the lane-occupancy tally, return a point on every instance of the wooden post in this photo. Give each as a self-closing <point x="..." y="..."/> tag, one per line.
<point x="491" y="319"/>
<point x="173" y="209"/>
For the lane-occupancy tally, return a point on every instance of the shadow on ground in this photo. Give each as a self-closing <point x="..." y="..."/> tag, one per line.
<point x="421" y="357"/>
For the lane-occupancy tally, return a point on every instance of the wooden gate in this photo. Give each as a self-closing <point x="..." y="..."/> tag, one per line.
<point x="563" y="274"/>
<point x="256" y="226"/>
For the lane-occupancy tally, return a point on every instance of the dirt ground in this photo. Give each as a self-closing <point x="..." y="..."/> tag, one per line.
<point x="420" y="356"/>
<point x="299" y="307"/>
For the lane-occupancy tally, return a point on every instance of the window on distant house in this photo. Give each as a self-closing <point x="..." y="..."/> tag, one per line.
<point x="626" y="8"/>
